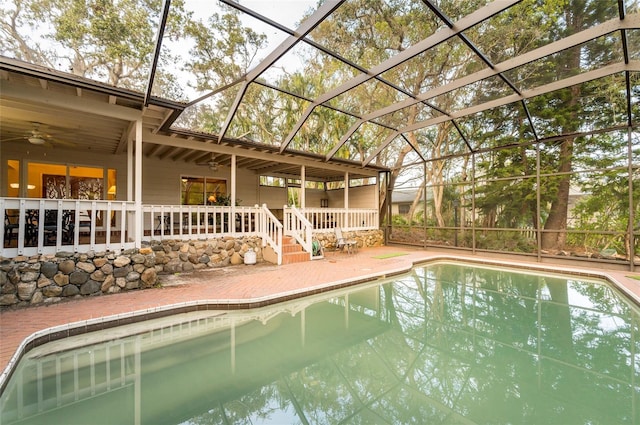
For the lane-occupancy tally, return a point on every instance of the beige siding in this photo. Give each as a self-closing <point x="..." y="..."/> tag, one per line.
<point x="359" y="197"/>
<point x="313" y="197"/>
<point x="274" y="197"/>
<point x="246" y="187"/>
<point x="362" y="197"/>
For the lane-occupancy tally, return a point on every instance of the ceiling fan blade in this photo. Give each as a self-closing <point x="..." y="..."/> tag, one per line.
<point x="11" y="139"/>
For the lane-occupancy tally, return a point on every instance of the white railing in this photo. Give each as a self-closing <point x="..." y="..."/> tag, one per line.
<point x="46" y="226"/>
<point x="271" y="230"/>
<point x="346" y="219"/>
<point x="186" y="222"/>
<point x="297" y="226"/>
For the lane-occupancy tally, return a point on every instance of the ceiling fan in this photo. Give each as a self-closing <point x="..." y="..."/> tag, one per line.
<point x="37" y="137"/>
<point x="211" y="163"/>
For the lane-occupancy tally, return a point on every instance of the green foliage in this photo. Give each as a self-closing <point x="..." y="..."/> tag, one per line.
<point x="514" y="241"/>
<point x="399" y="220"/>
<point x="605" y="208"/>
<point x="222" y="199"/>
<point x="223" y="49"/>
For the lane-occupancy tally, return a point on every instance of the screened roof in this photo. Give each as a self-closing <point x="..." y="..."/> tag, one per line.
<point x="385" y="82"/>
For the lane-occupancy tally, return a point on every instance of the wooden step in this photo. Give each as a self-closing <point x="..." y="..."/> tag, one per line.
<point x="295" y="257"/>
<point x="292" y="251"/>
<point x="292" y="247"/>
<point x="288" y="240"/>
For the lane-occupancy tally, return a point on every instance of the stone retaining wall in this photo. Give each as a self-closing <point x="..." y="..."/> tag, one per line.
<point x="364" y="238"/>
<point x="51" y="278"/>
<point x="47" y="279"/>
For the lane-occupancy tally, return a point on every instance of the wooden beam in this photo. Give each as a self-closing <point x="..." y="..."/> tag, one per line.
<point x="252" y="153"/>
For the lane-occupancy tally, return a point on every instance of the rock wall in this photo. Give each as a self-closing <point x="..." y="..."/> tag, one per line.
<point x="364" y="238"/>
<point x="51" y="278"/>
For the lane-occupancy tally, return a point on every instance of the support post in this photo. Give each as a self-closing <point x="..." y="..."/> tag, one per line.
<point x="632" y="243"/>
<point x="232" y="219"/>
<point x="346" y="201"/>
<point x="138" y="186"/>
<point x="303" y="186"/>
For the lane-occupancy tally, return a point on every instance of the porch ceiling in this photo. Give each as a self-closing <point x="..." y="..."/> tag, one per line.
<point x="72" y="113"/>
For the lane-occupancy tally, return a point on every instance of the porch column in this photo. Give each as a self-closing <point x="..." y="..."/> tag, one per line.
<point x="346" y="191"/>
<point x="138" y="186"/>
<point x="303" y="186"/>
<point x="376" y="196"/>
<point x="127" y="220"/>
<point x="232" y="219"/>
<point x="345" y="219"/>
<point x="130" y="176"/>
<point x="632" y="220"/>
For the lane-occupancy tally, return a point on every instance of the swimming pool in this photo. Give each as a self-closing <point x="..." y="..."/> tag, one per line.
<point x="446" y="343"/>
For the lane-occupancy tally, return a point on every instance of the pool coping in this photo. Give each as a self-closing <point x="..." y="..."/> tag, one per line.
<point x="58" y="332"/>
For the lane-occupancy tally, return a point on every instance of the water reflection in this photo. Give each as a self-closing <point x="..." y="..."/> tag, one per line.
<point x="443" y="344"/>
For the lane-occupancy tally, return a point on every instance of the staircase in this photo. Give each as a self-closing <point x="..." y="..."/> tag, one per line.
<point x="292" y="251"/>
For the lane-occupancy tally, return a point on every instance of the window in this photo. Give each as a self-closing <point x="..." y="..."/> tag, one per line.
<point x="203" y="191"/>
<point x="362" y="182"/>
<point x="293" y="196"/>
<point x="61" y="181"/>
<point x="281" y="182"/>
<point x="335" y="185"/>
<point x="86" y="183"/>
<point x="314" y="185"/>
<point x="271" y="181"/>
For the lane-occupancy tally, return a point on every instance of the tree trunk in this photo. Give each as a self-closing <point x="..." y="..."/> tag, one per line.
<point x="555" y="227"/>
<point x="416" y="201"/>
<point x="393" y="176"/>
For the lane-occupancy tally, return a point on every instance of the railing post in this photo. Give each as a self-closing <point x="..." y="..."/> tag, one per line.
<point x="285" y="219"/>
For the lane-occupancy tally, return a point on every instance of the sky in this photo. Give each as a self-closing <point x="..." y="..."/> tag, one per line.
<point x="287" y="12"/>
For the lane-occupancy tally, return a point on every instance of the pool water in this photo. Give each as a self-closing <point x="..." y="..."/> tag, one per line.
<point x="446" y="343"/>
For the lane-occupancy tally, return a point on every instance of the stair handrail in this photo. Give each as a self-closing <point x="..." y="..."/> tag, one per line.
<point x="297" y="225"/>
<point x="271" y="231"/>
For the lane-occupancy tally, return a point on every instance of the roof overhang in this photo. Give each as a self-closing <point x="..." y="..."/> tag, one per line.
<point x="84" y="115"/>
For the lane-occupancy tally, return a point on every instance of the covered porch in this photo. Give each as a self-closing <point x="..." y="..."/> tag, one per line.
<point x="88" y="167"/>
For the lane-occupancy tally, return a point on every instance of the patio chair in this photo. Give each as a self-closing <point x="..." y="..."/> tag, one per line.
<point x="84" y="222"/>
<point x="341" y="242"/>
<point x="50" y="226"/>
<point x="10" y="225"/>
<point x="69" y="224"/>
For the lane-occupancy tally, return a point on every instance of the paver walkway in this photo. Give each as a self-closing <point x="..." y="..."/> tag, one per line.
<point x="233" y="284"/>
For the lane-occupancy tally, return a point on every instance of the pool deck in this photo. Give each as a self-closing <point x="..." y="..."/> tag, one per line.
<point x="240" y="285"/>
